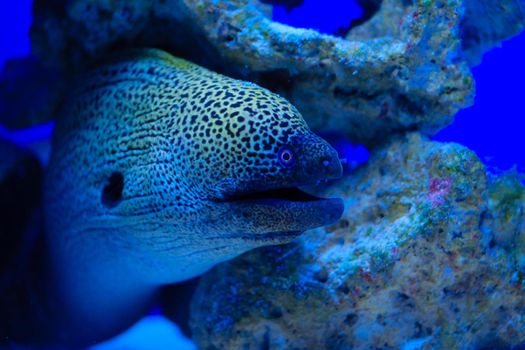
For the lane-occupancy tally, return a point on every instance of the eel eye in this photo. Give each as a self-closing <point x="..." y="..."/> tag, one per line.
<point x="286" y="157"/>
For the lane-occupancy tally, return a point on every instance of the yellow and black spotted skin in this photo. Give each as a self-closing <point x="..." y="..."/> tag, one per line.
<point x="151" y="154"/>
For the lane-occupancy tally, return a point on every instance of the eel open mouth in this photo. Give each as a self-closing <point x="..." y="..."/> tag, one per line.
<point x="279" y="214"/>
<point x="292" y="194"/>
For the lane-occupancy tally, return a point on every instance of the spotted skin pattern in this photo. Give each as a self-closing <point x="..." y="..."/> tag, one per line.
<point x="148" y="152"/>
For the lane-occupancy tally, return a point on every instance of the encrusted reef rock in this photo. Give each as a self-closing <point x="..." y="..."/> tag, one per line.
<point x="505" y="219"/>
<point x="415" y="263"/>
<point x="412" y="76"/>
<point x="483" y="24"/>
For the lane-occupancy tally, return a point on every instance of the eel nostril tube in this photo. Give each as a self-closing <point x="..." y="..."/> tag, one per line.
<point x="331" y="168"/>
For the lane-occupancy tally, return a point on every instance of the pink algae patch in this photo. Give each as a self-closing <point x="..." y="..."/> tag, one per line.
<point x="438" y="189"/>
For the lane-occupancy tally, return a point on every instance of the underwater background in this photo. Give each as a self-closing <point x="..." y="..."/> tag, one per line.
<point x="493" y="127"/>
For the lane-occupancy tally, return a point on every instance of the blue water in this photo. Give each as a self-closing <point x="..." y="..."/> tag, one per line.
<point x="15" y="19"/>
<point x="494" y="127"/>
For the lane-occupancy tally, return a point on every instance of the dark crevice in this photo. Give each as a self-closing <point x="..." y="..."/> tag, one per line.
<point x="470" y="36"/>
<point x="409" y="106"/>
<point x="193" y="46"/>
<point x="403" y="101"/>
<point x="493" y="342"/>
<point x="340" y="92"/>
<point x="278" y="80"/>
<point x="288" y="194"/>
<point x="289" y="5"/>
<point x="276" y="312"/>
<point x="265" y="344"/>
<point x="351" y="319"/>
<point x="20" y="198"/>
<point x="175" y="302"/>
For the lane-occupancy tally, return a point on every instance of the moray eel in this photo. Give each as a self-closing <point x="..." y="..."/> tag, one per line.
<point x="162" y="169"/>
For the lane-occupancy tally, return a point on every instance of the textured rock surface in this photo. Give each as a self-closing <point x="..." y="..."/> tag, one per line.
<point x="414" y="263"/>
<point x="411" y="76"/>
<point x="483" y="25"/>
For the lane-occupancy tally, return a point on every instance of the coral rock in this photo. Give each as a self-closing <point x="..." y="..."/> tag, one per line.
<point x="408" y="266"/>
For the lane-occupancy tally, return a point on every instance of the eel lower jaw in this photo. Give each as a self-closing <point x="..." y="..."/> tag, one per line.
<point x="283" y="214"/>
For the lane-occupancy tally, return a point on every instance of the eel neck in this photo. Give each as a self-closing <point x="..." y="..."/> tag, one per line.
<point x="95" y="296"/>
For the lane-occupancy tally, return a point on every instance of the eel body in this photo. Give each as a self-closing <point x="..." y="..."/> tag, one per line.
<point x="160" y="170"/>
